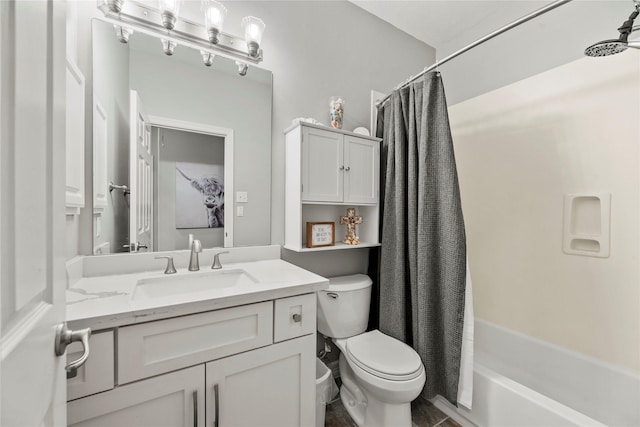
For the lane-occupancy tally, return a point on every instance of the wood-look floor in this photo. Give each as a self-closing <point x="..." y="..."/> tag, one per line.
<point x="423" y="414"/>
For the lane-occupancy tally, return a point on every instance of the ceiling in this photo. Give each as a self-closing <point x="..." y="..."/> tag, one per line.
<point x="448" y="25"/>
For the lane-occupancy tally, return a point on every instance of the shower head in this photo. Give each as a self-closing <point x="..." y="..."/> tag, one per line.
<point x="606" y="48"/>
<point x="614" y="46"/>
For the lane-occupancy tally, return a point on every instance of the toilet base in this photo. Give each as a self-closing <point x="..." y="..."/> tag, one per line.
<point x="365" y="409"/>
<point x="356" y="409"/>
<point x="376" y="415"/>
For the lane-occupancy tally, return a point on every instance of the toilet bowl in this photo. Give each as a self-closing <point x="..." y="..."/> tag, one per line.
<point x="380" y="374"/>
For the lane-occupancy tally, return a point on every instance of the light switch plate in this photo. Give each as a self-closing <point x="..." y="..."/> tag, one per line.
<point x="241" y="197"/>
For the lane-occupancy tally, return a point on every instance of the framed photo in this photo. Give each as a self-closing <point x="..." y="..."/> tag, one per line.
<point x="320" y="234"/>
<point x="199" y="195"/>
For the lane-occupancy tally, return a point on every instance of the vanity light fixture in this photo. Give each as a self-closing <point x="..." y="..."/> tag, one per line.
<point x="166" y="24"/>
<point x="207" y="58"/>
<point x="168" y="46"/>
<point x="114" y="5"/>
<point x="253" y="29"/>
<point x="169" y="10"/>
<point x="214" y="15"/>
<point x="123" y="33"/>
<point x="242" y="68"/>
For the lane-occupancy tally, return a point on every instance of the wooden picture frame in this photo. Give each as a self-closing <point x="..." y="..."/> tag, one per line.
<point x="321" y="234"/>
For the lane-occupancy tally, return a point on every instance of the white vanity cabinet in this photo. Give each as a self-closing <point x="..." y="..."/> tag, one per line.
<point x="172" y="400"/>
<point x="327" y="171"/>
<point x="265" y="387"/>
<point x="226" y="366"/>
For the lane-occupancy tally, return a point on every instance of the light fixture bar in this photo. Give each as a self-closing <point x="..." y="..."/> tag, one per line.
<point x="146" y="20"/>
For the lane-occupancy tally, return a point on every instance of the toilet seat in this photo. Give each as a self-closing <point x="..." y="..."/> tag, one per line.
<point x="383" y="356"/>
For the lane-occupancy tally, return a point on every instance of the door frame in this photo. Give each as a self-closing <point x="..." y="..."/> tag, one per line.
<point x="222" y="132"/>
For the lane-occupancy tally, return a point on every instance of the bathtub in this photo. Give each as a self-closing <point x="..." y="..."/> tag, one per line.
<point x="520" y="381"/>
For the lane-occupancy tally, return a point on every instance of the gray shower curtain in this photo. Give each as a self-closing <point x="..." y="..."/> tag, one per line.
<point x="423" y="255"/>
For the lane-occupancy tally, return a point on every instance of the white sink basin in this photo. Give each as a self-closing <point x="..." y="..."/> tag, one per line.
<point x="200" y="282"/>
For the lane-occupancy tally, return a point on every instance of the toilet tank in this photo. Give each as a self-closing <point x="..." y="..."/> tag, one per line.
<point x="343" y="309"/>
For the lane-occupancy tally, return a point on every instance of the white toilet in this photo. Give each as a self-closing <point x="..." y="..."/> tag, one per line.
<point x="380" y="375"/>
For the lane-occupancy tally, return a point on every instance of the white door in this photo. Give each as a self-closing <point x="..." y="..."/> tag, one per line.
<point x="140" y="178"/>
<point x="32" y="211"/>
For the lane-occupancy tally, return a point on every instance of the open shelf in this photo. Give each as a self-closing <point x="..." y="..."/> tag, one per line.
<point x="338" y="246"/>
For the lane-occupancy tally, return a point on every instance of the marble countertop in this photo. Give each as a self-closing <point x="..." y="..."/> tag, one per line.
<point x="105" y="301"/>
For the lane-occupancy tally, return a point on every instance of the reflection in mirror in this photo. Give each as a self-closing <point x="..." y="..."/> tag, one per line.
<point x="190" y="189"/>
<point x="191" y="112"/>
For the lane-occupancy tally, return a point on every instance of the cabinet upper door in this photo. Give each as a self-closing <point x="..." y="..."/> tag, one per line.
<point x="362" y="170"/>
<point x="322" y="166"/>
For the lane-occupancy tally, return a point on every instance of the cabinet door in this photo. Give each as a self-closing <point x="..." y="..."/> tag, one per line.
<point x="362" y="170"/>
<point x="322" y="166"/>
<point x="271" y="386"/>
<point x="172" y="400"/>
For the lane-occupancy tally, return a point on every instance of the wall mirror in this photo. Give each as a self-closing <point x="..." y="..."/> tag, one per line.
<point x="201" y="125"/>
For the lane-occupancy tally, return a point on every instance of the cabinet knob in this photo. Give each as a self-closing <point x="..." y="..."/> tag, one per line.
<point x="342" y="167"/>
<point x="297" y="317"/>
<point x="347" y="168"/>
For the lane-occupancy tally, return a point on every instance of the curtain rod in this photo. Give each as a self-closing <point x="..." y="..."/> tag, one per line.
<point x="488" y="37"/>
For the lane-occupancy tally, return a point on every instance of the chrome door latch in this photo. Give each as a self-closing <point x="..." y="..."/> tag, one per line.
<point x="64" y="337"/>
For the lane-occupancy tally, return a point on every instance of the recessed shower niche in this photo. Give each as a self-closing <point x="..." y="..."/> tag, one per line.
<point x="587" y="224"/>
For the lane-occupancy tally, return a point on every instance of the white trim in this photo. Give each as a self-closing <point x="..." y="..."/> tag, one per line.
<point x="100" y="141"/>
<point x="227" y="134"/>
<point x="74" y="135"/>
<point x="19" y="331"/>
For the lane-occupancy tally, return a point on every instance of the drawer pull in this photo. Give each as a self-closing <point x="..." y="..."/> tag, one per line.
<point x="195" y="408"/>
<point x="216" y="409"/>
<point x="297" y="317"/>
<point x="332" y="295"/>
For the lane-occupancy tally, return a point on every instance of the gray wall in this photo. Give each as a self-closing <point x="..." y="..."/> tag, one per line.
<point x="173" y="146"/>
<point x="317" y="49"/>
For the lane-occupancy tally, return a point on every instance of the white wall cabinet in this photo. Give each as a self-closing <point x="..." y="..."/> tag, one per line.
<point x="221" y="366"/>
<point x="327" y="171"/>
<point x="338" y="167"/>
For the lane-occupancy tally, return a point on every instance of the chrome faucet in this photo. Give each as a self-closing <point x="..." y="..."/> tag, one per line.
<point x="171" y="269"/>
<point x="216" y="260"/>
<point x="196" y="248"/>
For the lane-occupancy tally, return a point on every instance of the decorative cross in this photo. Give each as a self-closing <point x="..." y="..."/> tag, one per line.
<point x="351" y="220"/>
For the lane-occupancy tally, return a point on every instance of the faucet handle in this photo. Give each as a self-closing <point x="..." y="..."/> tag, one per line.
<point x="171" y="269"/>
<point x="216" y="260"/>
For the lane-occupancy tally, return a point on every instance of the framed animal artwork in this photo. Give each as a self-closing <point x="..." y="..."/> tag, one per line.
<point x="199" y="195"/>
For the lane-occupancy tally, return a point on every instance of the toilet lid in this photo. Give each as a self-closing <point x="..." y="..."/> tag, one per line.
<point x="383" y="356"/>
